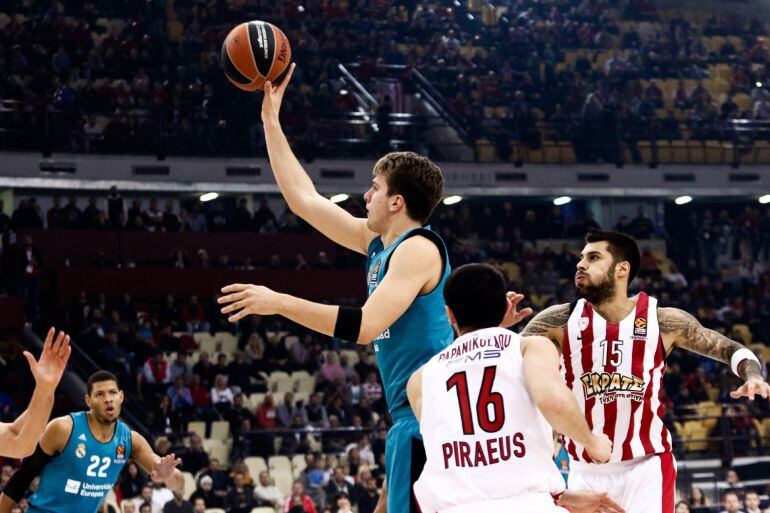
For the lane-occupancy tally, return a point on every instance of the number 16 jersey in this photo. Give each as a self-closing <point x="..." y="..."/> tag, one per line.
<point x="78" y="478"/>
<point x="485" y="439"/>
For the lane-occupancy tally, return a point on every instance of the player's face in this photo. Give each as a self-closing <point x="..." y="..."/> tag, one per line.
<point x="105" y="401"/>
<point x="377" y="201"/>
<point x="595" y="276"/>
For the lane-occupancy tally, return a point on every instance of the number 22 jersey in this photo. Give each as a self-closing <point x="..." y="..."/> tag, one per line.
<point x="78" y="478"/>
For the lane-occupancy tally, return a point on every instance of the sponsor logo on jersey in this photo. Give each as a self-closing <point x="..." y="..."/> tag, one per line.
<point x="120" y="453"/>
<point x="72" y="486"/>
<point x="384" y="335"/>
<point x="640" y="328"/>
<point x="82" y="437"/>
<point x="375" y="274"/>
<point x="488" y="354"/>
<point x="80" y="451"/>
<point x="609" y="387"/>
<point x="476" y="348"/>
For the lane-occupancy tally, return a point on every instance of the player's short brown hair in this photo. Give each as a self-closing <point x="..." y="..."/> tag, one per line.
<point x="98" y="377"/>
<point x="415" y="177"/>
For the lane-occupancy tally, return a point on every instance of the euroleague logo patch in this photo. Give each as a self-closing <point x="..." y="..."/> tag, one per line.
<point x="375" y="273"/>
<point x="640" y="327"/>
<point x="120" y="453"/>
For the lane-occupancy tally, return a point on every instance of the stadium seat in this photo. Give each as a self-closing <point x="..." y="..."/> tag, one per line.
<point x="255" y="464"/>
<point x="220" y="430"/>
<point x="290" y="341"/>
<point x="256" y="399"/>
<point x="198" y="427"/>
<point x="302" y="397"/>
<point x="279" y="464"/>
<point x="205" y="343"/>
<point x="744" y="332"/>
<point x="306" y="385"/>
<point x="485" y="151"/>
<point x="226" y="341"/>
<point x="761" y="152"/>
<point x="216" y="449"/>
<point x="714" y="152"/>
<point x="680" y="152"/>
<point x="283" y="480"/>
<point x="263" y="509"/>
<point x="283" y="385"/>
<point x="189" y="485"/>
<point x="298" y="464"/>
<point x="274" y="377"/>
<point x="296" y="375"/>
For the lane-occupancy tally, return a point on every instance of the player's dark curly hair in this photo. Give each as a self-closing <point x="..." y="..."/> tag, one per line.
<point x="621" y="247"/>
<point x="100" y="376"/>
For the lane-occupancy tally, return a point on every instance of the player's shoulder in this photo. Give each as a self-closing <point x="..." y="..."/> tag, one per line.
<point x="417" y="250"/>
<point x="61" y="425"/>
<point x="57" y="434"/>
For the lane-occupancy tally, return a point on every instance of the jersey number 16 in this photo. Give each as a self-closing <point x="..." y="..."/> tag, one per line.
<point x="486" y="397"/>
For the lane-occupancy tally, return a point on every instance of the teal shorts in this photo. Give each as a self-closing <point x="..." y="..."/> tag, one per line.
<point x="404" y="461"/>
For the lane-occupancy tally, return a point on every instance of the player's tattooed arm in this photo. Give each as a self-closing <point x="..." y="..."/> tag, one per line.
<point x="549" y="323"/>
<point x="681" y="329"/>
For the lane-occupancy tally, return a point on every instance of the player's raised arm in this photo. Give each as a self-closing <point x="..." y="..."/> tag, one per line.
<point x="412" y="269"/>
<point x="554" y="399"/>
<point x="161" y="470"/>
<point x="19" y="438"/>
<point x="679" y="328"/>
<point x="297" y="187"/>
<point x="53" y="441"/>
<point x="549" y="323"/>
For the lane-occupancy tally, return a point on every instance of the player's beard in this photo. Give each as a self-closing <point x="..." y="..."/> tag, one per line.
<point x="600" y="292"/>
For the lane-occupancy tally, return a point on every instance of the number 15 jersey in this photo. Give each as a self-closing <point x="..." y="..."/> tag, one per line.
<point x="484" y="437"/>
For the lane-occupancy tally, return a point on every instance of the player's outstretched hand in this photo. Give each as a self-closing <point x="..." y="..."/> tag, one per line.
<point x="752" y="387"/>
<point x="271" y="103"/>
<point x="245" y="299"/>
<point x="512" y="315"/>
<point x="163" y="469"/>
<point x="584" y="501"/>
<point x="600" y="449"/>
<point x="53" y="360"/>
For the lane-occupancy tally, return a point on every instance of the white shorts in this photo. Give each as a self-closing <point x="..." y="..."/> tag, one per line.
<point x="643" y="485"/>
<point x="528" y="503"/>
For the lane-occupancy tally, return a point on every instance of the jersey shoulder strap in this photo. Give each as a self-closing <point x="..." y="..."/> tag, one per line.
<point x="431" y="236"/>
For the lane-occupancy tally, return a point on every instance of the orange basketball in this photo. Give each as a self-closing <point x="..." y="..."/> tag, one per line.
<point x="254" y="52"/>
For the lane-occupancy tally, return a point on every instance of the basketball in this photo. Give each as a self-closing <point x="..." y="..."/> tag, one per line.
<point x="254" y="52"/>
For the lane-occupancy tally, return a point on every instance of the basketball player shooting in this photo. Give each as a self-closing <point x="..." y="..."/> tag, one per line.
<point x="406" y="269"/>
<point x="19" y="438"/>
<point x="613" y="355"/>
<point x="488" y="409"/>
<point x="80" y="457"/>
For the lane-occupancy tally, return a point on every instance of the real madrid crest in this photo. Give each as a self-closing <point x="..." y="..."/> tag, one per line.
<point x="80" y="452"/>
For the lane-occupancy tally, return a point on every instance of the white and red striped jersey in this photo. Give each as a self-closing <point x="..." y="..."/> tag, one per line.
<point x="485" y="439"/>
<point x="615" y="371"/>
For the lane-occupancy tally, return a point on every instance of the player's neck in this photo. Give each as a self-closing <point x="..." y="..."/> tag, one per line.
<point x="616" y="308"/>
<point x="398" y="227"/>
<point x="102" y="432"/>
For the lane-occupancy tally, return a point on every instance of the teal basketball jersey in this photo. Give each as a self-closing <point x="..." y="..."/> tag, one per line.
<point x="416" y="336"/>
<point x="81" y="476"/>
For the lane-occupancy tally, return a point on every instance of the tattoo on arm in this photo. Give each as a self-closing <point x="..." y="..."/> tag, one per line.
<point x="553" y="317"/>
<point x="691" y="335"/>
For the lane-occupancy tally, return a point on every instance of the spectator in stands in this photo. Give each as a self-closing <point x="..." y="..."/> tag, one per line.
<point x="298" y="501"/>
<point x="179" y="368"/>
<point x="331" y="371"/>
<point x="682" y="507"/>
<point x="731" y="503"/>
<point x="239" y="373"/>
<point x="338" y="484"/>
<point x="181" y="398"/>
<point x="267" y="414"/>
<point x="195" y="459"/>
<point x="194" y="317"/>
<point x="132" y="481"/>
<point x="267" y="493"/>
<point x="155" y="375"/>
<point x="254" y="351"/>
<point x="276" y="356"/>
<point x="205" y="370"/>
<point x="367" y="501"/>
<point x="315" y="412"/>
<point x="238" y="413"/>
<point x="206" y="492"/>
<point x="641" y="226"/>
<point x="240" y="498"/>
<point x="751" y="502"/>
<point x="241" y="220"/>
<point x="55" y="215"/>
<point x="372" y="389"/>
<point x="222" y="395"/>
<point x="199" y="505"/>
<point x="731" y="476"/>
<point x="287" y="410"/>
<point x="178" y="505"/>
<point x="71" y="214"/>
<point x="248" y="443"/>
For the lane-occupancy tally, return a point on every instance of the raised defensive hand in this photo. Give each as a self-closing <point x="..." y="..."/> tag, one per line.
<point x="163" y="469"/>
<point x="53" y="360"/>
<point x="512" y="315"/>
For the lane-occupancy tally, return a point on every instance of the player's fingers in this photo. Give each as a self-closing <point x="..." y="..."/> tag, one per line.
<point x="237" y="317"/>
<point x="516" y="298"/>
<point x="49" y="338"/>
<point x="764" y="390"/>
<point x="232" y="297"/>
<point x="67" y="353"/>
<point x="737" y="394"/>
<point x="752" y="390"/>
<point x="233" y="307"/>
<point x="267" y="87"/>
<point x="287" y="78"/>
<point x="235" y="287"/>
<point x="62" y="348"/>
<point x="524" y="314"/>
<point x="30" y="359"/>
<point x="58" y="342"/>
